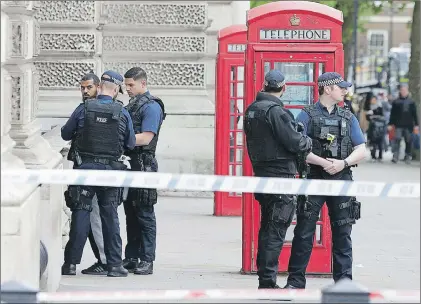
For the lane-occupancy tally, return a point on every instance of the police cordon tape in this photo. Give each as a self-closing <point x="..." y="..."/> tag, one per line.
<point x="196" y="182"/>
<point x="314" y="296"/>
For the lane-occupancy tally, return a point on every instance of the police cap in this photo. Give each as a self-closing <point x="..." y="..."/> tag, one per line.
<point x="274" y="79"/>
<point x="332" y="78"/>
<point x="113" y="77"/>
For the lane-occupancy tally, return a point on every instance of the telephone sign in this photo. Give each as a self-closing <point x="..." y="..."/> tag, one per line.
<point x="292" y="34"/>
<point x="236" y="48"/>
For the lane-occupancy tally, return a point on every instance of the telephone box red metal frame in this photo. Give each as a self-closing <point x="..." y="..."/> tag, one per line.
<point x="229" y="107"/>
<point x="288" y="15"/>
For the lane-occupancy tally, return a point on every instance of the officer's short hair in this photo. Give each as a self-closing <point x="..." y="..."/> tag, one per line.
<point x="272" y="89"/>
<point x="91" y="76"/>
<point x="322" y="89"/>
<point x="136" y="73"/>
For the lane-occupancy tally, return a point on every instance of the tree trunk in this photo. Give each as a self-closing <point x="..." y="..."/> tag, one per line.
<point x="347" y="29"/>
<point x="414" y="65"/>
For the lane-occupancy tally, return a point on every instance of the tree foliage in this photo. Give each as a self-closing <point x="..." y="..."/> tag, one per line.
<point x="366" y="8"/>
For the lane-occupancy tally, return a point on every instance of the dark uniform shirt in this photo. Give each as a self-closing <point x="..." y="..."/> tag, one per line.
<point x="76" y="121"/>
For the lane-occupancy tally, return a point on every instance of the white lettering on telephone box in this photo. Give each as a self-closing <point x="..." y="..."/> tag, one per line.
<point x="236" y="48"/>
<point x="287" y="34"/>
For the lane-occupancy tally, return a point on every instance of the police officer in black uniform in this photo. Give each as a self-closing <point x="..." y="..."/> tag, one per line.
<point x="273" y="144"/>
<point x="338" y="144"/>
<point x="147" y="113"/>
<point x="89" y="85"/>
<point x="102" y="130"/>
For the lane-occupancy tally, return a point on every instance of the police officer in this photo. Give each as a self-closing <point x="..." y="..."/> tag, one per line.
<point x="338" y="144"/>
<point x="272" y="144"/>
<point x="88" y="86"/>
<point x="101" y="129"/>
<point x="147" y="113"/>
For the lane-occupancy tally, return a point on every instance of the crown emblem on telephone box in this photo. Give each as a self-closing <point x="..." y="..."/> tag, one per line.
<point x="294" y="20"/>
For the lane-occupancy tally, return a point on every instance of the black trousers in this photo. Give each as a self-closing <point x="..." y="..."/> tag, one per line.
<point x="272" y="233"/>
<point x="404" y="133"/>
<point x="377" y="145"/>
<point x="141" y="232"/>
<point x="302" y="243"/>
<point x="96" y="249"/>
<point x="108" y="201"/>
<point x="140" y="214"/>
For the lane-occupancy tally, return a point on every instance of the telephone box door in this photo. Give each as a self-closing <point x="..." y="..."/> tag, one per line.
<point x="229" y="146"/>
<point x="229" y="118"/>
<point x="301" y="71"/>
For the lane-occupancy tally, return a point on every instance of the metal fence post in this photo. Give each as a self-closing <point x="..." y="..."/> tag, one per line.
<point x="345" y="291"/>
<point x="14" y="292"/>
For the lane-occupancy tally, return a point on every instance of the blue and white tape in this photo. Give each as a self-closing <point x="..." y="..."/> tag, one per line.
<point x="195" y="182"/>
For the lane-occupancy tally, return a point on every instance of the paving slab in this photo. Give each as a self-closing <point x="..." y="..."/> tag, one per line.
<point x="196" y="250"/>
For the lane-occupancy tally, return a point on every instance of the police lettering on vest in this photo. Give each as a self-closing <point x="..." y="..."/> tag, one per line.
<point x="331" y="135"/>
<point x="100" y="134"/>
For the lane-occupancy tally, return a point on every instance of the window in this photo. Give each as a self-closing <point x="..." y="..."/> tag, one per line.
<point x="378" y="43"/>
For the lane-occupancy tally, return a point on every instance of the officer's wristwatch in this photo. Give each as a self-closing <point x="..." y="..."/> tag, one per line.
<point x="346" y="164"/>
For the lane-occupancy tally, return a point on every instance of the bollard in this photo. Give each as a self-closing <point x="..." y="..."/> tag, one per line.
<point x="43" y="257"/>
<point x="14" y="292"/>
<point x="345" y="291"/>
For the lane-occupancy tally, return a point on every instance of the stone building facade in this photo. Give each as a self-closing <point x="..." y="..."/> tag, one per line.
<point x="46" y="47"/>
<point x="29" y="213"/>
<point x="174" y="41"/>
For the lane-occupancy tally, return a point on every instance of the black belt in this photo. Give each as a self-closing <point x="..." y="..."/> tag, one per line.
<point x="98" y="160"/>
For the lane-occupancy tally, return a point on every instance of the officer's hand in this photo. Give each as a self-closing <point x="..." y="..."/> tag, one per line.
<point x="336" y="166"/>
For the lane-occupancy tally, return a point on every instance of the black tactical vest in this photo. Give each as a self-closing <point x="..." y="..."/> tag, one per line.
<point x="331" y="135"/>
<point x="260" y="140"/>
<point x="100" y="134"/>
<point x="135" y="108"/>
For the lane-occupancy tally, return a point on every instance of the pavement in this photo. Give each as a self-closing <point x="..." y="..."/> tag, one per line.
<point x="196" y="250"/>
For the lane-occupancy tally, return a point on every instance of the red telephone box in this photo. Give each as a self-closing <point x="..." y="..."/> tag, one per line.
<point x="229" y="114"/>
<point x="302" y="40"/>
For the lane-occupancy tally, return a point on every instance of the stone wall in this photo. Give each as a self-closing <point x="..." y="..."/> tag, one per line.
<point x="29" y="213"/>
<point x="174" y="41"/>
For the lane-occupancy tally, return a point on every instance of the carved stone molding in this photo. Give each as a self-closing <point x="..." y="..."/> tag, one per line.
<point x="16" y="99"/>
<point x="67" y="42"/>
<point x="37" y="42"/>
<point x="18" y="29"/>
<point x="155" y="14"/>
<point x="16" y="3"/>
<point x="173" y="44"/>
<point x="166" y="74"/>
<point x="66" y="12"/>
<point x="62" y="74"/>
<point x="35" y="93"/>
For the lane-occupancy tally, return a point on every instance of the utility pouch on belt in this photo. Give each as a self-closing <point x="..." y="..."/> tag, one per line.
<point x="354" y="208"/>
<point x="68" y="199"/>
<point x="145" y="163"/>
<point x="81" y="199"/>
<point x="283" y="210"/>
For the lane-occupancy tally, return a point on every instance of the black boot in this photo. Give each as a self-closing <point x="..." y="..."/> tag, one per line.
<point x="68" y="269"/>
<point x="96" y="269"/>
<point x="117" y="272"/>
<point x="268" y="287"/>
<point x="130" y="264"/>
<point x="288" y="286"/>
<point x="144" y="268"/>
